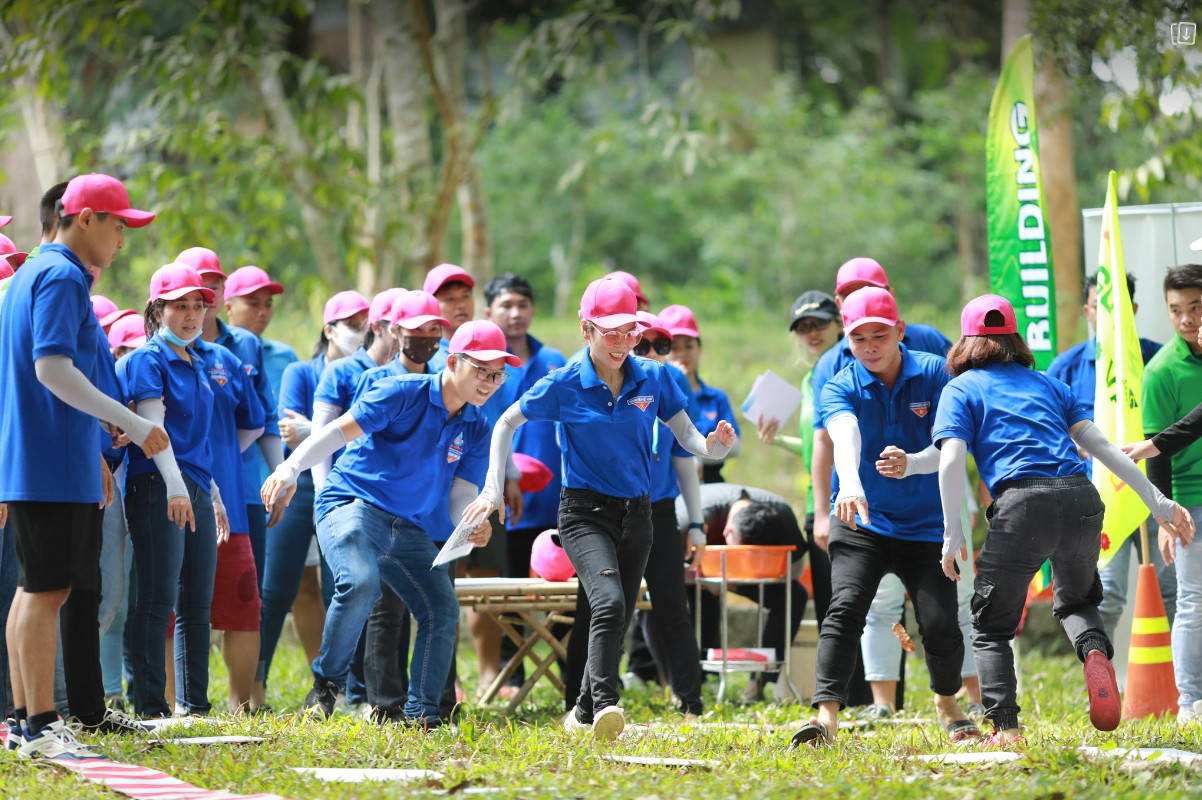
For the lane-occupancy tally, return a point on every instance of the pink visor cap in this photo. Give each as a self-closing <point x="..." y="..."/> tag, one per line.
<point x="444" y="274"/>
<point x="106" y="310"/>
<point x="868" y="305"/>
<point x="972" y="319"/>
<point x="344" y="305"/>
<point x="861" y="270"/>
<point x="609" y="303"/>
<point x="248" y="280"/>
<point x="105" y="194"/>
<point x="380" y="307"/>
<point x="629" y="280"/>
<point x="548" y="560"/>
<point x="9" y="252"/>
<point x="173" y="281"/>
<point x="201" y="259"/>
<point x="128" y="332"/>
<point x="679" y="321"/>
<point x="414" y="309"/>
<point x="650" y="323"/>
<point x="482" y="340"/>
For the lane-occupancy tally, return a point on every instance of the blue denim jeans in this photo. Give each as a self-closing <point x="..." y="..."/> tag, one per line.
<point x="112" y="641"/>
<point x="175" y="568"/>
<point x="364" y="546"/>
<point x="8" y="587"/>
<point x="1117" y="572"/>
<point x="1187" y="625"/>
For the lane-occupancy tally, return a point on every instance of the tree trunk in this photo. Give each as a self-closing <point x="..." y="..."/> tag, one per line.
<point x="43" y="126"/>
<point x="565" y="261"/>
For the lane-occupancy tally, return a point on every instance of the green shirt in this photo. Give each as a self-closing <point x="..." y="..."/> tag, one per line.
<point x="1172" y="387"/>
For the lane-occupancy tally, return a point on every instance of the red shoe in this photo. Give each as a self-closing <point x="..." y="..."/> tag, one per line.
<point x="996" y="742"/>
<point x="1105" y="707"/>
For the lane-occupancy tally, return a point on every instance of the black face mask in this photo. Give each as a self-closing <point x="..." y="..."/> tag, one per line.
<point x="419" y="349"/>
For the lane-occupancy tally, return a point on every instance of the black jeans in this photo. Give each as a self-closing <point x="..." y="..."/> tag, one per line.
<point x="386" y="652"/>
<point x="1030" y="521"/>
<point x="608" y="540"/>
<point x="859" y="559"/>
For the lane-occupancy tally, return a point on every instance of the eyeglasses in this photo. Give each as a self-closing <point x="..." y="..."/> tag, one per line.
<point x="616" y="338"/>
<point x="661" y="347"/>
<point x="811" y="326"/>
<point x="486" y="375"/>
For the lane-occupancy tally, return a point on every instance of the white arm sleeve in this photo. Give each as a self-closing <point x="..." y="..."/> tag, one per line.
<point x="272" y="448"/>
<point x="953" y="460"/>
<point x="247" y="437"/>
<point x="318" y="447"/>
<point x="64" y="380"/>
<point x="735" y="449"/>
<point x="215" y="495"/>
<point x="323" y="415"/>
<point x="499" y="453"/>
<point x="154" y="411"/>
<point x="460" y="497"/>
<point x="844" y="430"/>
<point x="690" y="490"/>
<point x="923" y="463"/>
<point x="512" y="472"/>
<point x="691" y="439"/>
<point x="1094" y="442"/>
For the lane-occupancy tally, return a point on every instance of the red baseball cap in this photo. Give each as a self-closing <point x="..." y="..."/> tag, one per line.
<point x="444" y="274"/>
<point x="609" y="303"/>
<point x="482" y="339"/>
<point x="972" y="319"/>
<point x="106" y="310"/>
<point x="414" y="309"/>
<point x="128" y="332"/>
<point x="535" y="474"/>
<point x="344" y="305"/>
<point x="381" y="305"/>
<point x="102" y="193"/>
<point x="201" y="259"/>
<point x="679" y="321"/>
<point x="650" y="322"/>
<point x="248" y="280"/>
<point x="173" y="281"/>
<point x="629" y="280"/>
<point x="9" y="251"/>
<point x="861" y="270"/>
<point x="868" y="305"/>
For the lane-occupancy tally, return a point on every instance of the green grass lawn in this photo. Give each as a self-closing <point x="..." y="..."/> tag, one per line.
<point x="528" y="755"/>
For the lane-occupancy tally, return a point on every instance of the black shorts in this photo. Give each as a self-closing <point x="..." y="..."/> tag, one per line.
<point x="493" y="556"/>
<point x="58" y="545"/>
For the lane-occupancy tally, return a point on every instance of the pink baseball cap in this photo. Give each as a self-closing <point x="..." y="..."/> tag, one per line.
<point x="972" y="319"/>
<point x="344" y="305"/>
<point x="629" y="280"/>
<point x="482" y="340"/>
<point x="861" y="270"/>
<point x="381" y="305"/>
<point x="173" y="281"/>
<point x="650" y="322"/>
<point x="248" y="280"/>
<point x="548" y="560"/>
<point x="609" y="303"/>
<point x="5" y="270"/>
<point x="4" y="220"/>
<point x="201" y="259"/>
<point x="106" y="310"/>
<point x="11" y="255"/>
<point x="868" y="305"/>
<point x="102" y="193"/>
<point x="414" y="309"/>
<point x="444" y="274"/>
<point x="128" y="332"/>
<point x="679" y="321"/>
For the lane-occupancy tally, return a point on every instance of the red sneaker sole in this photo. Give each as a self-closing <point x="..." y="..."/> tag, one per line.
<point x="1105" y="706"/>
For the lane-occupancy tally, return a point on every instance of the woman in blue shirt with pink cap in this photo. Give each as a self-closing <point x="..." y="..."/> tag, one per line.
<point x="608" y="405"/>
<point x="1024" y="430"/>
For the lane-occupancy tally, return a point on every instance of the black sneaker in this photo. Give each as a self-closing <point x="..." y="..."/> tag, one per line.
<point x="321" y="698"/>
<point x="389" y="716"/>
<point x="118" y="722"/>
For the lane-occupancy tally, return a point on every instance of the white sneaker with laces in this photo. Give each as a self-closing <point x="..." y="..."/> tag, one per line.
<point x="608" y="723"/>
<point x="56" y="741"/>
<point x="572" y="723"/>
<point x="1190" y="716"/>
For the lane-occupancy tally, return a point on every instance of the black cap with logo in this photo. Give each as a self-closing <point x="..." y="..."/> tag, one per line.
<point x="818" y="305"/>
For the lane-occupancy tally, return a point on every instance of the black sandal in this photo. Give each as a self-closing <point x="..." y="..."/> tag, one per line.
<point x="812" y="733"/>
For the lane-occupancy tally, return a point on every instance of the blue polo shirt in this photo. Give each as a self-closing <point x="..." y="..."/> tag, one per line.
<point x="297" y="387"/>
<point x="1078" y="367"/>
<point x="665" y="448"/>
<point x="606" y="442"/>
<point x="410" y="452"/>
<point x="920" y="338"/>
<point x="155" y="371"/>
<point x="1015" y="422"/>
<point x="338" y="381"/>
<point x="901" y="416"/>
<point x="439" y="359"/>
<point x="392" y="369"/>
<point x="714" y="407"/>
<point x="235" y="406"/>
<point x="276" y="358"/>
<point x="249" y="350"/>
<point x="50" y="449"/>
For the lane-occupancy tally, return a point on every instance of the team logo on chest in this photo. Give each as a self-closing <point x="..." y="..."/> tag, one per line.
<point x="921" y="409"/>
<point x="642" y="401"/>
<point x="218" y="375"/>
<point x="455" y="451"/>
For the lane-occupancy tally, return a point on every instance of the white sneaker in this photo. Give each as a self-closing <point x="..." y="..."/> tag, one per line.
<point x="56" y="741"/>
<point x="608" y="723"/>
<point x="572" y="723"/>
<point x="1189" y="716"/>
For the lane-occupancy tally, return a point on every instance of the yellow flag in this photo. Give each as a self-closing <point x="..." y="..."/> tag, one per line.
<point x="1120" y="376"/>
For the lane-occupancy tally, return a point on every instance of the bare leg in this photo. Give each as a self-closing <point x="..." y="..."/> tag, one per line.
<point x="309" y="613"/>
<point x="34" y="648"/>
<point x="14" y="663"/>
<point x="241" y="652"/>
<point x="972" y="690"/>
<point x="828" y="715"/>
<point x="884" y="693"/>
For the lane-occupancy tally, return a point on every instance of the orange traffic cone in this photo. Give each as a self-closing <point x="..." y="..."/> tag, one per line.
<point x="1151" y="687"/>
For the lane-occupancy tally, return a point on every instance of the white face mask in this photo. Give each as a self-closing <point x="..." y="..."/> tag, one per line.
<point x="347" y="340"/>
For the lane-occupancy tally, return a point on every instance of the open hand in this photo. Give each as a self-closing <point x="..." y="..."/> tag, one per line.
<point x="949" y="564"/>
<point x="1180" y="528"/>
<point x="1140" y="450"/>
<point x="847" y="507"/>
<point x="766" y="430"/>
<point x="277" y="487"/>
<point x="294" y="428"/>
<point x="724" y="434"/>
<point x="223" y="523"/>
<point x="179" y="511"/>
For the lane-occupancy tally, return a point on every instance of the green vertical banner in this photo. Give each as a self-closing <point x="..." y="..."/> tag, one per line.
<point x="1020" y="244"/>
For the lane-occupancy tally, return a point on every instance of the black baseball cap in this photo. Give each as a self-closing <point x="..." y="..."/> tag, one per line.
<point x="818" y="305"/>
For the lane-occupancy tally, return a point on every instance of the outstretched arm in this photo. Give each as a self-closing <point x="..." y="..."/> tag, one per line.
<point x="844" y="430"/>
<point x="953" y="460"/>
<point x="318" y="447"/>
<point x="715" y="446"/>
<point x="64" y="380"/>
<point x="491" y="497"/>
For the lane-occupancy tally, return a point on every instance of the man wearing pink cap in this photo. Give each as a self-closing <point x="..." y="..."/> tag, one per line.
<point x="416" y="451"/>
<point x="452" y="285"/>
<point x="50" y="345"/>
<point x="608" y="405"/>
<point x="250" y="304"/>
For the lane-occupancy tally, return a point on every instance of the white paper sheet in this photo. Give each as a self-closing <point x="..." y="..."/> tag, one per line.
<point x="987" y="757"/>
<point x="210" y="740"/>
<point x="661" y="762"/>
<point x="1163" y="754"/>
<point x="771" y="398"/>
<point x="457" y="546"/>
<point x="348" y="775"/>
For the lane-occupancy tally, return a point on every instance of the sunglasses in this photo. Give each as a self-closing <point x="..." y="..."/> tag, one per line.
<point x="661" y="347"/>
<point x="617" y="338"/>
<point x="811" y="325"/>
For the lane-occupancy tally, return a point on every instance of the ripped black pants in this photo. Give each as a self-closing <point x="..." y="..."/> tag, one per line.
<point x="608" y="540"/>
